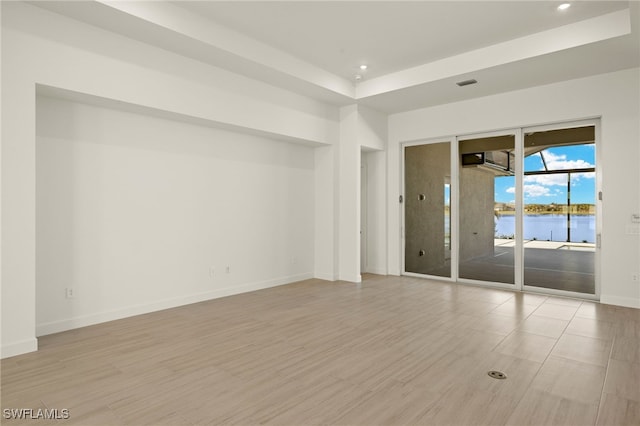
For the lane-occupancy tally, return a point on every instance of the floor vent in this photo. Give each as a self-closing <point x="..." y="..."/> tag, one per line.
<point x="497" y="375"/>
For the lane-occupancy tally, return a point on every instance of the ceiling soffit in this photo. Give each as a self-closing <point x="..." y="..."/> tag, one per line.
<point x="179" y="29"/>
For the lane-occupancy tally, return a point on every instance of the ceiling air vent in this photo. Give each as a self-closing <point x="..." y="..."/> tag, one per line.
<point x="467" y="82"/>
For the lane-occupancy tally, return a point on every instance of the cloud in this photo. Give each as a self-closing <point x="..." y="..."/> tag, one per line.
<point x="557" y="180"/>
<point x="532" y="191"/>
<point x="560" y="162"/>
<point x="536" y="191"/>
<point x="554" y="184"/>
<point x="586" y="175"/>
<point x="546" y="180"/>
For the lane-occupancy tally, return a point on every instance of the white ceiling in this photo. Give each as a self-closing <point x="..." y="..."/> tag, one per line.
<point x="415" y="50"/>
<point x="393" y="35"/>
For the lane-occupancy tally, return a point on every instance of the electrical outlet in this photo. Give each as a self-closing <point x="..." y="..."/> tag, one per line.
<point x="228" y="269"/>
<point x="69" y="293"/>
<point x="212" y="271"/>
<point x="635" y="278"/>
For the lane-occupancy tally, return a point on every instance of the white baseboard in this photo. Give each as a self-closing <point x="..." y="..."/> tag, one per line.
<point x="351" y="278"/>
<point x="628" y="302"/>
<point x="19" y="348"/>
<point x="129" y="311"/>
<point x="376" y="271"/>
<point x="325" y="276"/>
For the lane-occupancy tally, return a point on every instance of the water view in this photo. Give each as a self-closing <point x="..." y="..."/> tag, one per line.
<point x="549" y="227"/>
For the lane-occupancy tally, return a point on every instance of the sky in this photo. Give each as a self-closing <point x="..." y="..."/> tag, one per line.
<point x="547" y="189"/>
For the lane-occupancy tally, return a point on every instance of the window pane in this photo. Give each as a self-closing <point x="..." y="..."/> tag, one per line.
<point x="427" y="209"/>
<point x="487" y="209"/>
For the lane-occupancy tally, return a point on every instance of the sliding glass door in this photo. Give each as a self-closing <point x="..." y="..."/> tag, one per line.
<point x="427" y="180"/>
<point x="515" y="209"/>
<point x="560" y="209"/>
<point x="487" y="208"/>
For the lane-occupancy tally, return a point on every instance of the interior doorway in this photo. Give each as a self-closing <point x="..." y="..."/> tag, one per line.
<point x="364" y="185"/>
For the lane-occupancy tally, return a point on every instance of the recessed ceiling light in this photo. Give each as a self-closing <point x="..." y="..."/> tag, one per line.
<point x="564" y="6"/>
<point x="363" y="67"/>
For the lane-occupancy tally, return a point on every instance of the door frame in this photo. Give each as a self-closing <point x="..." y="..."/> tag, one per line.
<point x="518" y="250"/>
<point x="596" y="123"/>
<point x="519" y="133"/>
<point x="452" y="224"/>
<point x="364" y="200"/>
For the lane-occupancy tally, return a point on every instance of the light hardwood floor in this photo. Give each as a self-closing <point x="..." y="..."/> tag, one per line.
<point x="392" y="350"/>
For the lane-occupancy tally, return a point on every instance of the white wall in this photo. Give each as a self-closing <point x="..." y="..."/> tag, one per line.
<point x="133" y="211"/>
<point x="348" y="192"/>
<point x="614" y="97"/>
<point x="40" y="48"/>
<point x="376" y="212"/>
<point x="45" y="48"/>
<point x="326" y="214"/>
<point x="372" y="136"/>
<point x="372" y="129"/>
<point x="363" y="134"/>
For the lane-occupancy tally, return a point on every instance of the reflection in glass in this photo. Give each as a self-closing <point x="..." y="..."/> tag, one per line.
<point x="427" y="209"/>
<point x="487" y="196"/>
